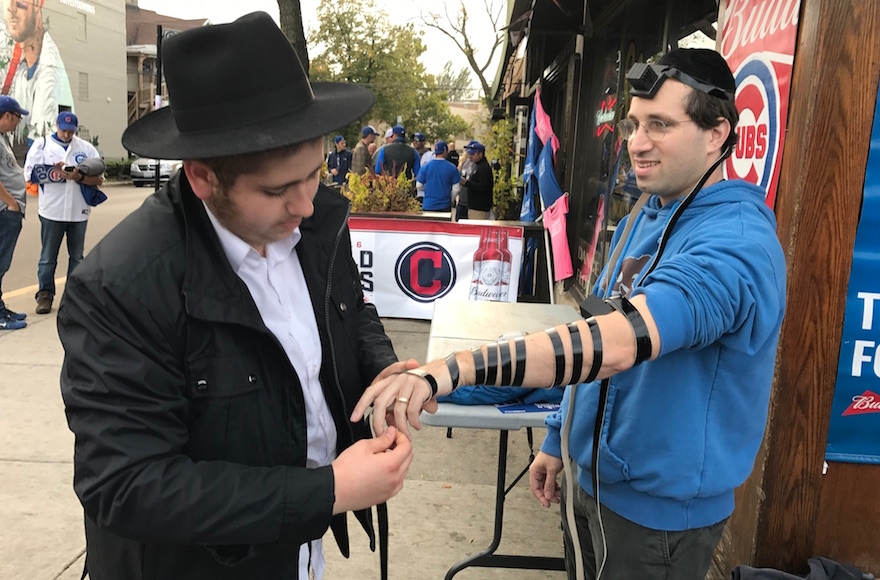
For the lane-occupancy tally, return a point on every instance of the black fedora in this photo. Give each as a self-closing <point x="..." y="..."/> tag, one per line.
<point x="239" y="88"/>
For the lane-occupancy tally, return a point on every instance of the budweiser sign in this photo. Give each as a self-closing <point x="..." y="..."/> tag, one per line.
<point x="867" y="402"/>
<point x="748" y="22"/>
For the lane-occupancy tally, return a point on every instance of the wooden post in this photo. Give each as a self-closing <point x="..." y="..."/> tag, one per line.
<point x="834" y="90"/>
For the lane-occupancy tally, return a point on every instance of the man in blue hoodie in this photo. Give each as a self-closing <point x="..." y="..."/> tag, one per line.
<point x="684" y="322"/>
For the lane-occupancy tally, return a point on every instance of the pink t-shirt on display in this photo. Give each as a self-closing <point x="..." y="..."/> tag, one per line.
<point x="554" y="222"/>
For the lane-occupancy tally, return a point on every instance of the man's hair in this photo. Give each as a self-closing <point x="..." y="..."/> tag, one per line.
<point x="230" y="167"/>
<point x="705" y="111"/>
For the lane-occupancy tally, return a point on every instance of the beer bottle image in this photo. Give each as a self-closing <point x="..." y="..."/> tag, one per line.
<point x="506" y="260"/>
<point x="478" y="259"/>
<point x="491" y="268"/>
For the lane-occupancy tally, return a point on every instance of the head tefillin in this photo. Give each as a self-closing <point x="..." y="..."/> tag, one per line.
<point x="700" y="68"/>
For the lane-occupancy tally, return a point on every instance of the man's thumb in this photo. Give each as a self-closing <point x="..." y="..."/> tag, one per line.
<point x="384" y="441"/>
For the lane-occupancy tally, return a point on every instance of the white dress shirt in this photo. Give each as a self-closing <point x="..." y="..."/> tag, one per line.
<point x="278" y="287"/>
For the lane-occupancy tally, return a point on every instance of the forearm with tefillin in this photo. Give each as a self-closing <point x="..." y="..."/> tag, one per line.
<point x="504" y="363"/>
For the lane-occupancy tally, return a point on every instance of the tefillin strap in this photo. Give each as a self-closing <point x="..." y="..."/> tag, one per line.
<point x="577" y="350"/>
<point x="640" y="329"/>
<point x="491" y="364"/>
<point x="505" y="363"/>
<point x="520" y="348"/>
<point x="559" y="353"/>
<point x="596" y="335"/>
<point x="452" y="366"/>
<point x="479" y="366"/>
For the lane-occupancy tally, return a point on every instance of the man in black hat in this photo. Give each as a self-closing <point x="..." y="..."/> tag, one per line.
<point x="671" y="368"/>
<point x="216" y="341"/>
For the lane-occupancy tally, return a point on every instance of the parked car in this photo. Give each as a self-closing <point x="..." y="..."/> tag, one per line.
<point x="143" y="170"/>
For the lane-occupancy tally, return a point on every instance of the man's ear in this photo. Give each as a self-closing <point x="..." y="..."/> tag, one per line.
<point x="719" y="133"/>
<point x="201" y="178"/>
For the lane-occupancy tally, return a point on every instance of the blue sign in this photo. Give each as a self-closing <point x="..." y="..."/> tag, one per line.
<point x="854" y="430"/>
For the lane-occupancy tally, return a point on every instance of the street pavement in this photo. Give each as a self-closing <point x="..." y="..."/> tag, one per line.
<point x="443" y="514"/>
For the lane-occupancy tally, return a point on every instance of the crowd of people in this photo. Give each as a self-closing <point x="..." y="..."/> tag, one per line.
<point x="221" y="361"/>
<point x="462" y="186"/>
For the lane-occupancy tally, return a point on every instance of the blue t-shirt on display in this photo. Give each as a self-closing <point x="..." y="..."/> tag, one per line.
<point x="438" y="179"/>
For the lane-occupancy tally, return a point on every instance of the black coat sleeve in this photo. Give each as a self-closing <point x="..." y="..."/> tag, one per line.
<point x="124" y="390"/>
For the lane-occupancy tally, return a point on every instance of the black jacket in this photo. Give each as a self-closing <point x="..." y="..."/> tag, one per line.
<point x="480" y="185"/>
<point x="189" y="418"/>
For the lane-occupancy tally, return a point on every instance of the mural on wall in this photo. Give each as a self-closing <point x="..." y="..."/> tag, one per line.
<point x="31" y="68"/>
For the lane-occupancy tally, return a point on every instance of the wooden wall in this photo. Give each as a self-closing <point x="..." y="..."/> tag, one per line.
<point x="789" y="510"/>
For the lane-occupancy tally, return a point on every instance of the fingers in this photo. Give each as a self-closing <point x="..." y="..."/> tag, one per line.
<point x="551" y="489"/>
<point x="542" y="478"/>
<point x="397" y="399"/>
<point x="536" y="485"/>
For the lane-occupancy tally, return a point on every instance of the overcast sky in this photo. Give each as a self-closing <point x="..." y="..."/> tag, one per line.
<point x="440" y="48"/>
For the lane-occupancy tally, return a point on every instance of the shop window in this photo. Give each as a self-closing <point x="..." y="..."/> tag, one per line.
<point x="84" y="86"/>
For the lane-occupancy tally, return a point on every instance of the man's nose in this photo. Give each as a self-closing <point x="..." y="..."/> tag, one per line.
<point x="299" y="203"/>
<point x="639" y="141"/>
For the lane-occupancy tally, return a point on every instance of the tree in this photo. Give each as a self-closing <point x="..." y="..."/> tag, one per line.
<point x="355" y="44"/>
<point x="455" y="27"/>
<point x="292" y="27"/>
<point x="457" y="86"/>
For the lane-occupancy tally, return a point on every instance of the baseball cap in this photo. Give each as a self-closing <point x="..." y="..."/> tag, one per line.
<point x="389" y="133"/>
<point x="418" y="136"/>
<point x="475" y="146"/>
<point x="10" y="105"/>
<point x="67" y="121"/>
<point x="338" y="139"/>
<point x="440" y="147"/>
<point x="398" y="130"/>
<point x="368" y="130"/>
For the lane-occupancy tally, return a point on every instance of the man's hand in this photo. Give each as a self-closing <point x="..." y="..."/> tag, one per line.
<point x="542" y="478"/>
<point x="396" y="368"/>
<point x="70" y="175"/>
<point x="334" y="172"/>
<point x="399" y="399"/>
<point x="371" y="471"/>
<point x="14" y="206"/>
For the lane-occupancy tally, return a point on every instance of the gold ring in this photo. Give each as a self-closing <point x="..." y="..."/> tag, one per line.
<point x="403" y="400"/>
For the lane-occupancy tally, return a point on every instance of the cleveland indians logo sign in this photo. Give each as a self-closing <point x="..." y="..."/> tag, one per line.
<point x="425" y="272"/>
<point x="757" y="99"/>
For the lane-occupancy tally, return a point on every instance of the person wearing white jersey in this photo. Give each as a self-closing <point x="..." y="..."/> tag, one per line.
<point x="51" y="162"/>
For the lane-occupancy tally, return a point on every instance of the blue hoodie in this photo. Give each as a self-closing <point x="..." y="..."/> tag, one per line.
<point x="681" y="432"/>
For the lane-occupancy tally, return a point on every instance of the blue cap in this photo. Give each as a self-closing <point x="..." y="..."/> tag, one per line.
<point x="368" y="130"/>
<point x="418" y="136"/>
<point x="471" y="142"/>
<point x="440" y="147"/>
<point x="398" y="130"/>
<point x="338" y="139"/>
<point x="10" y="105"/>
<point x="67" y="121"/>
<point x="475" y="146"/>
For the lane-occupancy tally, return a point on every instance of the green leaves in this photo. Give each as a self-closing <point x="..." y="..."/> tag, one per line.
<point x="354" y="43"/>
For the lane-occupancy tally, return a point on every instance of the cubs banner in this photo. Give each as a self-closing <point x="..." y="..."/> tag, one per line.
<point x="854" y="429"/>
<point x="758" y="41"/>
<point x="407" y="264"/>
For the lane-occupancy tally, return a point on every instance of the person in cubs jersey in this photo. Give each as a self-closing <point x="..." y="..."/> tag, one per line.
<point x="51" y="161"/>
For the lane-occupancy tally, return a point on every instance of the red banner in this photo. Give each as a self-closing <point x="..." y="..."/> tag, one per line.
<point x="758" y="41"/>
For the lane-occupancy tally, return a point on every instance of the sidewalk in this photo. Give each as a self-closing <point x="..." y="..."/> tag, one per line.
<point x="443" y="514"/>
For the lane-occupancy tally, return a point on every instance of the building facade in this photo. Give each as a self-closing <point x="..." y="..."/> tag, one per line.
<point x="66" y="55"/>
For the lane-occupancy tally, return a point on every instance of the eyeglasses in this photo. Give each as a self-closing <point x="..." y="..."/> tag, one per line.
<point x="655" y="129"/>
